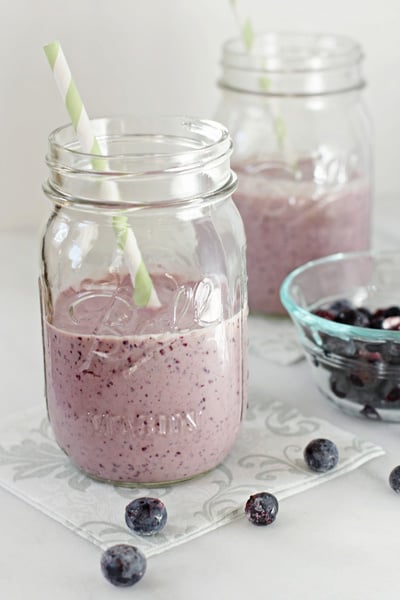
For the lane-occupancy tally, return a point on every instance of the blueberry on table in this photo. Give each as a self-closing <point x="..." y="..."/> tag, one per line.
<point x="261" y="508"/>
<point x="146" y="516"/>
<point x="321" y="455"/>
<point x="394" y="479"/>
<point x="123" y="565"/>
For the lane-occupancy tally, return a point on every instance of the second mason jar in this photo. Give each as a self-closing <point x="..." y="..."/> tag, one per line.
<point x="302" y="152"/>
<point x="143" y="295"/>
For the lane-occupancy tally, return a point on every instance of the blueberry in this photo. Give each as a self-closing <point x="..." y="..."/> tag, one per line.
<point x="321" y="455"/>
<point x="394" y="479"/>
<point x="358" y="317"/>
<point x="388" y="390"/>
<point x="315" y="361"/>
<point x="391" y="323"/>
<point x="386" y="318"/>
<point x="365" y="311"/>
<point x="261" y="508"/>
<point x="146" y="516"/>
<point x="334" y="345"/>
<point x="377" y="318"/>
<point x="371" y="347"/>
<point x="369" y="356"/>
<point x="340" y="305"/>
<point x="393" y="394"/>
<point x="339" y="384"/>
<point x="391" y="353"/>
<point x="123" y="565"/>
<point x="346" y="316"/>
<point x="363" y="378"/>
<point x="370" y="412"/>
<point x="392" y="311"/>
<point x="324" y="314"/>
<point x="363" y="317"/>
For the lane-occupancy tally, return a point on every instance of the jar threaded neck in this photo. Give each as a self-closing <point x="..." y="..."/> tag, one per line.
<point x="293" y="64"/>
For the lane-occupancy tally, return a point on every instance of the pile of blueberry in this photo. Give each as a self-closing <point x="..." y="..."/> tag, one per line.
<point x="361" y="371"/>
<point x="343" y="311"/>
<point x="124" y="565"/>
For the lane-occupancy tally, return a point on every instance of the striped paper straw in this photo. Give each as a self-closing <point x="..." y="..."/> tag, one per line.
<point x="144" y="292"/>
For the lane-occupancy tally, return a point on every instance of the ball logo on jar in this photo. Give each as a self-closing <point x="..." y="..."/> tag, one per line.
<point x="200" y="303"/>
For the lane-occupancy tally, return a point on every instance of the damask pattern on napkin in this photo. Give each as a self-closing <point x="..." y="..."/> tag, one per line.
<point x="267" y="457"/>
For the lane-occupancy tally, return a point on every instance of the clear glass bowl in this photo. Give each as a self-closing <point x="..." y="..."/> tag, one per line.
<point x="357" y="368"/>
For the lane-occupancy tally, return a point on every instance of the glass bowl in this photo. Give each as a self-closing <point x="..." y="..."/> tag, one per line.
<point x="357" y="368"/>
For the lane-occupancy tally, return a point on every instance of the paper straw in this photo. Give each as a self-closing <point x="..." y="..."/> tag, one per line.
<point x="284" y="145"/>
<point x="144" y="292"/>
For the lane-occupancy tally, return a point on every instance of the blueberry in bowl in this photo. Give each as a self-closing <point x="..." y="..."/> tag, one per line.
<point x="346" y="309"/>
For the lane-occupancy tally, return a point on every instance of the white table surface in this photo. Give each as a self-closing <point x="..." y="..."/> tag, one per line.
<point x="340" y="540"/>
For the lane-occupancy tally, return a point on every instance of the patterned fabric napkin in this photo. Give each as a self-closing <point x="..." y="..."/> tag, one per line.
<point x="267" y="457"/>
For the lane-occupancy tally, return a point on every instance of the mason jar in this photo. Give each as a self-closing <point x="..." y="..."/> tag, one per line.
<point x="143" y="297"/>
<point x="302" y="151"/>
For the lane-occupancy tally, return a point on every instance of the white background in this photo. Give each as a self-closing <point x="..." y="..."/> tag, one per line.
<point x="336" y="542"/>
<point x="162" y="56"/>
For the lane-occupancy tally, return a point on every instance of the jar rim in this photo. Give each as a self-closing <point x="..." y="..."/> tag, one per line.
<point x="145" y="160"/>
<point x="199" y="140"/>
<point x="292" y="64"/>
<point x="292" y="52"/>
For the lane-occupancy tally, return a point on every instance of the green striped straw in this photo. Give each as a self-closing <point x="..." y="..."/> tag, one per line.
<point x="144" y="292"/>
<point x="247" y="35"/>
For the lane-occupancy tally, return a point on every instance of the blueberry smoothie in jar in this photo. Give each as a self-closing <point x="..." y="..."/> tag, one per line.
<point x="302" y="153"/>
<point x="161" y="404"/>
<point x="290" y="222"/>
<point x="145" y="360"/>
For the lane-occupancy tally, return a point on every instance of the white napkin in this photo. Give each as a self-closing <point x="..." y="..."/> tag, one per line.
<point x="267" y="457"/>
<point x="274" y="339"/>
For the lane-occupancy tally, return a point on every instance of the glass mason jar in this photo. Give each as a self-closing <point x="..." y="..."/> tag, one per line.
<point x="144" y="301"/>
<point x="302" y="152"/>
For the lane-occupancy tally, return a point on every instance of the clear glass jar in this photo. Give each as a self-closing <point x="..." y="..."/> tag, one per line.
<point x="302" y="152"/>
<point x="137" y="391"/>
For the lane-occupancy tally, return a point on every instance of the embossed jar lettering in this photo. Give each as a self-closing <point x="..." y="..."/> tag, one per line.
<point x="141" y="425"/>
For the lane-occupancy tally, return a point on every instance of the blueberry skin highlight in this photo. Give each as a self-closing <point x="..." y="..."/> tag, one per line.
<point x="262" y="508"/>
<point x="321" y="455"/>
<point x="123" y="565"/>
<point x="146" y="516"/>
<point x="394" y="479"/>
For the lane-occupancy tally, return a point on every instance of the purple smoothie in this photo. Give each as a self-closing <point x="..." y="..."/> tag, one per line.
<point x="129" y="404"/>
<point x="288" y="223"/>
